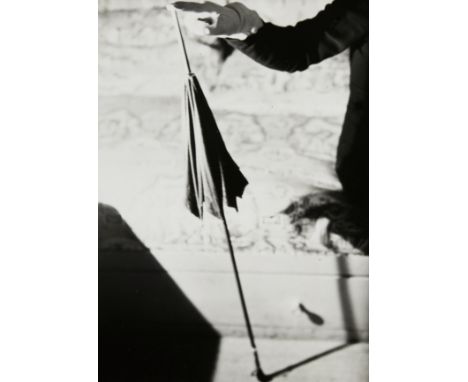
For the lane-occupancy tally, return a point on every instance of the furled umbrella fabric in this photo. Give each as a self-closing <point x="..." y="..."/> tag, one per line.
<point x="212" y="175"/>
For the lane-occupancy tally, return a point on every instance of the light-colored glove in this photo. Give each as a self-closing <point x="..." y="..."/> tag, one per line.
<point x="234" y="20"/>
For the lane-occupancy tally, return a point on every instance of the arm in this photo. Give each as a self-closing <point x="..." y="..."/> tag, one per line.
<point x="341" y="24"/>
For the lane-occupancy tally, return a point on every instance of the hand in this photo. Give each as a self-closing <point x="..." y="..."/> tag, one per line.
<point x="234" y="20"/>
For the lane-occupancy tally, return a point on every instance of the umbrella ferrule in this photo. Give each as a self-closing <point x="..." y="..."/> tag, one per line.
<point x="181" y="41"/>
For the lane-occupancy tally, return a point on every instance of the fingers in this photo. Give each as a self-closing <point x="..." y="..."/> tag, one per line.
<point x="202" y="17"/>
<point x="189" y="6"/>
<point x="213" y="29"/>
<point x="198" y="27"/>
<point x="201" y="28"/>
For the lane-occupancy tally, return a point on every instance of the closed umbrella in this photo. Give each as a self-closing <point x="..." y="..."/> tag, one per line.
<point x="213" y="178"/>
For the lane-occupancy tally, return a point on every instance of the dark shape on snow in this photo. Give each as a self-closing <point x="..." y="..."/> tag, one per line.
<point x="148" y="329"/>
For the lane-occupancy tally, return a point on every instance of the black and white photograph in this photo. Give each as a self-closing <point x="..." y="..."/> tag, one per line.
<point x="233" y="190"/>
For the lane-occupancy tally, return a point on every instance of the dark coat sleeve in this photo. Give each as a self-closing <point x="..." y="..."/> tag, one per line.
<point x="340" y="25"/>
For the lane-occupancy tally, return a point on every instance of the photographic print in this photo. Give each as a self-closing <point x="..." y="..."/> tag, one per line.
<point x="233" y="190"/>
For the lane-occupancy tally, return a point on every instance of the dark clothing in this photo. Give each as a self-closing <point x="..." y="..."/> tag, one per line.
<point x="342" y="24"/>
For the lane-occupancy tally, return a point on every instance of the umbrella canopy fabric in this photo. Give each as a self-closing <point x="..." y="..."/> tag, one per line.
<point x="212" y="175"/>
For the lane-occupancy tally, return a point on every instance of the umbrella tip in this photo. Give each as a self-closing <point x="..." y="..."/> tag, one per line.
<point x="261" y="376"/>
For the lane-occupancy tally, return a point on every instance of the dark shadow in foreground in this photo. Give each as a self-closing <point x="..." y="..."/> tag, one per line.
<point x="148" y="329"/>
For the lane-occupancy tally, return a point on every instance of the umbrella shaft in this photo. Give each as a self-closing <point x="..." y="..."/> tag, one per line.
<point x="241" y="293"/>
<point x="181" y="40"/>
